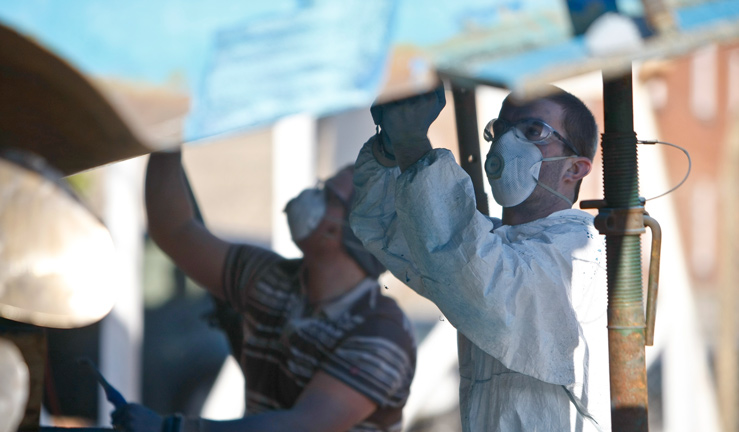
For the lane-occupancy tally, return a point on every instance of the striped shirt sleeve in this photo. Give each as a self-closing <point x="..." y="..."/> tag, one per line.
<point x="244" y="264"/>
<point x="376" y="359"/>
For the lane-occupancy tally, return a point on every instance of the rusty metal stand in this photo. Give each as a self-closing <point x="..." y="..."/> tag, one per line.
<point x="621" y="220"/>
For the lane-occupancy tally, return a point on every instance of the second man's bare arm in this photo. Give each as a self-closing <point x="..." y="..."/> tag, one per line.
<point x="174" y="227"/>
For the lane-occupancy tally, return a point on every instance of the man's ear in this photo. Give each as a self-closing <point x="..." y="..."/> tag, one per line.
<point x="581" y="166"/>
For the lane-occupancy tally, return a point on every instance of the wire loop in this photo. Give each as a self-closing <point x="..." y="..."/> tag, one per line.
<point x="690" y="164"/>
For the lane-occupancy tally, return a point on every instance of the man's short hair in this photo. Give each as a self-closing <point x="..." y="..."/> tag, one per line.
<point x="579" y="123"/>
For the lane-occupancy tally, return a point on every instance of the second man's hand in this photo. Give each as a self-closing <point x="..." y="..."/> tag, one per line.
<point x="136" y="418"/>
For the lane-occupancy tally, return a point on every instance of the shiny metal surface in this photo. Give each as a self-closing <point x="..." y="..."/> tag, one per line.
<point x="56" y="257"/>
<point x="14" y="384"/>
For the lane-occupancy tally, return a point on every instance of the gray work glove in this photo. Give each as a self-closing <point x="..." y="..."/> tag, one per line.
<point x="404" y="126"/>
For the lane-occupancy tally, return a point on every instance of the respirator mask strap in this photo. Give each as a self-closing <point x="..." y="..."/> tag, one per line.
<point x="549" y="189"/>
<point x="557" y="194"/>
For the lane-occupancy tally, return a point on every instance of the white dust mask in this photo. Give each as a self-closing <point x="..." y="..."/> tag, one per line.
<point x="305" y="212"/>
<point x="512" y="166"/>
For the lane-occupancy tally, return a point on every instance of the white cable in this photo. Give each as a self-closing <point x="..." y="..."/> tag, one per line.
<point x="652" y="142"/>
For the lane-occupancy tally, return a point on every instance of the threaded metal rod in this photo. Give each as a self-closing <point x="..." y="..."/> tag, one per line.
<point x="621" y="169"/>
<point x="626" y="334"/>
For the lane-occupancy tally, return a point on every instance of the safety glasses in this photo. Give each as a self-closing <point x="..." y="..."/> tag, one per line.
<point x="532" y="130"/>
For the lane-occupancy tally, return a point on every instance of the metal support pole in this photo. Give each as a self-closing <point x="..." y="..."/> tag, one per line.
<point x="122" y="331"/>
<point x="626" y="323"/>
<point x="465" y="114"/>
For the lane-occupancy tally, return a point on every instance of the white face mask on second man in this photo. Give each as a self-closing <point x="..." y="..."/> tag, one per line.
<point x="512" y="166"/>
<point x="305" y="212"/>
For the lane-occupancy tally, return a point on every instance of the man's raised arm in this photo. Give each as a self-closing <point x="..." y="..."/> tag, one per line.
<point x="174" y="227"/>
<point x="404" y="127"/>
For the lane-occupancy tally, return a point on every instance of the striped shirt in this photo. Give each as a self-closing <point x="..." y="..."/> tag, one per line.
<point x="361" y="338"/>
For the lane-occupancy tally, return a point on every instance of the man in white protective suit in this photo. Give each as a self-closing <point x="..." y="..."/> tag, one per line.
<point x="527" y="293"/>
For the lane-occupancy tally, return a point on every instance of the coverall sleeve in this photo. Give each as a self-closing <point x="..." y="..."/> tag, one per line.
<point x="373" y="218"/>
<point x="511" y="298"/>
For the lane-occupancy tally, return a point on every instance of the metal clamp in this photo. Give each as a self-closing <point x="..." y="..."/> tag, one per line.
<point x="653" y="284"/>
<point x="620" y="221"/>
<point x="632" y="221"/>
<point x="616" y="221"/>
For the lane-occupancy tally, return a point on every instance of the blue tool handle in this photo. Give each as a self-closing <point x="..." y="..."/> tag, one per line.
<point x="114" y="396"/>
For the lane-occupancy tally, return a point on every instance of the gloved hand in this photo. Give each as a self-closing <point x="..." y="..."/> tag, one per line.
<point x="404" y="125"/>
<point x="136" y="418"/>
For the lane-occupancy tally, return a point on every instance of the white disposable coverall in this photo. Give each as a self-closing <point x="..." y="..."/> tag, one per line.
<point x="528" y="301"/>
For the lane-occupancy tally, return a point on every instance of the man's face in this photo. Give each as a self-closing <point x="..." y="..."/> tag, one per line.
<point x="545" y="110"/>
<point x="327" y="235"/>
<point x="551" y="113"/>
